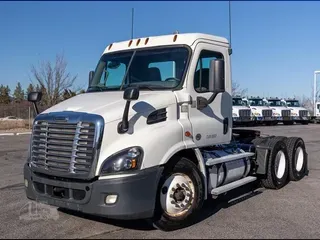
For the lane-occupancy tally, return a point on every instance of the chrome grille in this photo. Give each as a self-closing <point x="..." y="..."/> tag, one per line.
<point x="285" y="113"/>
<point x="62" y="146"/>
<point x="267" y="113"/>
<point x="303" y="113"/>
<point x="244" y="112"/>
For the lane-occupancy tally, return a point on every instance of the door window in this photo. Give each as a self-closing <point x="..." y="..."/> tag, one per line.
<point x="201" y="76"/>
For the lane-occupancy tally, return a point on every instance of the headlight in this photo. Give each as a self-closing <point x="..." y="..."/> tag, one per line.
<point x="257" y="114"/>
<point x="126" y="160"/>
<point x="234" y="115"/>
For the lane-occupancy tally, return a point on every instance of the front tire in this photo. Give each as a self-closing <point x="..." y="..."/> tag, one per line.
<point x="180" y="196"/>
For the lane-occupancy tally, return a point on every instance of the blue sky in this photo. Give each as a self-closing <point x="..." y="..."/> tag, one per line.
<point x="276" y="45"/>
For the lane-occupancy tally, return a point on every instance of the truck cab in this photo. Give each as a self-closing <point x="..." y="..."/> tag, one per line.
<point x="281" y="111"/>
<point x="315" y="118"/>
<point x="241" y="112"/>
<point x="152" y="137"/>
<point x="261" y="112"/>
<point x="298" y="113"/>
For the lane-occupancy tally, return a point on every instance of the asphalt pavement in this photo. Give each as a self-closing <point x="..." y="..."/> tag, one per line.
<point x="291" y="212"/>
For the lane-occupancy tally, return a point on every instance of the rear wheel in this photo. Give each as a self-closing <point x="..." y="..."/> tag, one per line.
<point x="277" y="165"/>
<point x="180" y="196"/>
<point x="297" y="158"/>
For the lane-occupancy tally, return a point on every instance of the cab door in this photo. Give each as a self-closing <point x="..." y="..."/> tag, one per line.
<point x="211" y="124"/>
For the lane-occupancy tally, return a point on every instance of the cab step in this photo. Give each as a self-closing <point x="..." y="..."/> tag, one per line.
<point x="228" y="158"/>
<point x="225" y="188"/>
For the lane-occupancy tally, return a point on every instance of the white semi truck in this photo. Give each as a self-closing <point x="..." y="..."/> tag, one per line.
<point x="315" y="118"/>
<point x="280" y="110"/>
<point x="241" y="112"/>
<point x="152" y="137"/>
<point x="261" y="112"/>
<point x="298" y="113"/>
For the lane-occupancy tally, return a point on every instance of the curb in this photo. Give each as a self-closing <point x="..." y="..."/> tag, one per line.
<point x="14" y="134"/>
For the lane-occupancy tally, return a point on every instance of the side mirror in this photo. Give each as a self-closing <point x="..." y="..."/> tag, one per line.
<point x="216" y="83"/>
<point x="217" y="76"/>
<point x="131" y="93"/>
<point x="34" y="97"/>
<point x="91" y="73"/>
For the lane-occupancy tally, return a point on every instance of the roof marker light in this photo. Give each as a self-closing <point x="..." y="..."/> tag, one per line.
<point x="130" y="43"/>
<point x="110" y="46"/>
<point x="138" y="41"/>
<point x="146" y="41"/>
<point x="175" y="38"/>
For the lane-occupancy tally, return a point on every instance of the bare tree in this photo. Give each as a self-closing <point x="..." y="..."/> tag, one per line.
<point x="236" y="90"/>
<point x="53" y="79"/>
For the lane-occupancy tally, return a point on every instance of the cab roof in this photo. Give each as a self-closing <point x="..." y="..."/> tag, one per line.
<point x="163" y="40"/>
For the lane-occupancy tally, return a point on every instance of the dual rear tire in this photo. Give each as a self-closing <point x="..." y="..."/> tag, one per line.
<point x="287" y="161"/>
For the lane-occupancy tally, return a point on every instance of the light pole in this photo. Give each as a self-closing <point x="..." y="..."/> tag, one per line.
<point x="315" y="92"/>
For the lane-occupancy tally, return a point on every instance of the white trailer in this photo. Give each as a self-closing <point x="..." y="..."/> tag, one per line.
<point x="241" y="112"/>
<point x="299" y="114"/>
<point x="146" y="142"/>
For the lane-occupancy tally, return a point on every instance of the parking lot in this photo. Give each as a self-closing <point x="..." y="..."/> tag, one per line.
<point x="292" y="212"/>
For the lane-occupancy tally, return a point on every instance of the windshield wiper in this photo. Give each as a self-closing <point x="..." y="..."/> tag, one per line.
<point x="97" y="87"/>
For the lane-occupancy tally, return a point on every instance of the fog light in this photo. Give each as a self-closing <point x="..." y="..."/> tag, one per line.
<point x="110" y="199"/>
<point x="26" y="183"/>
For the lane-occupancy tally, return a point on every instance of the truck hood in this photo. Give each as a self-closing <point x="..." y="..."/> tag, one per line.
<point x="110" y="105"/>
<point x="296" y="109"/>
<point x="259" y="108"/>
<point x="279" y="108"/>
<point x="240" y="107"/>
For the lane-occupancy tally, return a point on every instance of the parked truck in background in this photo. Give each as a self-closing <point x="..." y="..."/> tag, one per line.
<point x="152" y="137"/>
<point x="241" y="112"/>
<point x="280" y="110"/>
<point x="315" y="118"/>
<point x="298" y="113"/>
<point x="261" y="112"/>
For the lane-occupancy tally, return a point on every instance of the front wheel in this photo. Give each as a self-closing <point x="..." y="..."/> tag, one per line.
<point x="180" y="196"/>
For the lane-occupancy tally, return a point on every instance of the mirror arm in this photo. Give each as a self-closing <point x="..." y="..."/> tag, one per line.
<point x="123" y="126"/>
<point x="203" y="102"/>
<point x="213" y="96"/>
<point x="36" y="108"/>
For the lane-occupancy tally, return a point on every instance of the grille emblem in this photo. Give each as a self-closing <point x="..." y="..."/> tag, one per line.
<point x="60" y="119"/>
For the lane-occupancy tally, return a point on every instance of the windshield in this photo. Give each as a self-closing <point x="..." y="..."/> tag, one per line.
<point x="238" y="102"/>
<point x="257" y="102"/>
<point x="151" y="69"/>
<point x="275" y="103"/>
<point x="293" y="104"/>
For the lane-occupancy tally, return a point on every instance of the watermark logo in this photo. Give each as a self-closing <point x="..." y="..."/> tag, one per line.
<point x="38" y="211"/>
